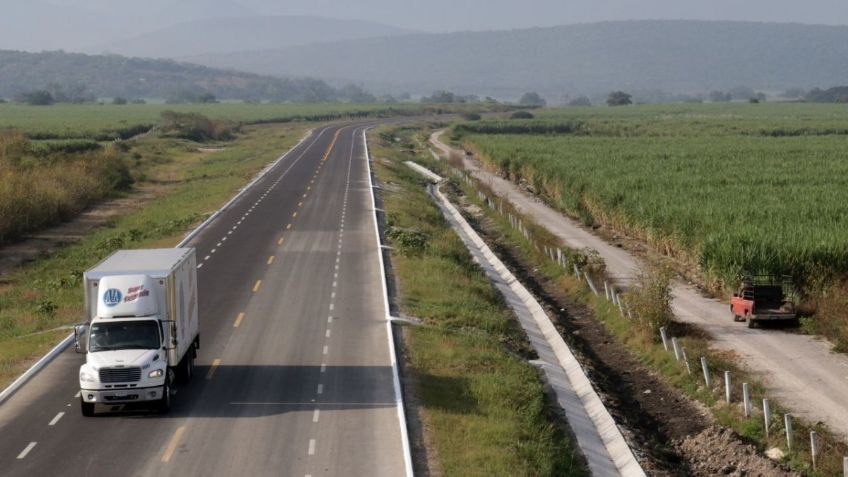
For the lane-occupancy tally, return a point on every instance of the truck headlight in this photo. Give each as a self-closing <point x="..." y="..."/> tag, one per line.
<point x="87" y="377"/>
<point x="156" y="373"/>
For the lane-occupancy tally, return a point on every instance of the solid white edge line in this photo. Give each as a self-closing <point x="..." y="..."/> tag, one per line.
<point x="59" y="348"/>
<point x="407" y="454"/>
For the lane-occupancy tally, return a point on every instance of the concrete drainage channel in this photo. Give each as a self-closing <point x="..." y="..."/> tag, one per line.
<point x="597" y="434"/>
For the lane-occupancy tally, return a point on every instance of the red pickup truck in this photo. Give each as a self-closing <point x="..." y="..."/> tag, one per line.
<point x="763" y="299"/>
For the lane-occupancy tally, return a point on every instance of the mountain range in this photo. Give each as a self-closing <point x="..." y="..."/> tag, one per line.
<point x="673" y="56"/>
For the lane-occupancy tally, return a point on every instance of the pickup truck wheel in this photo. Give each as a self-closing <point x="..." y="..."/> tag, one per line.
<point x="87" y="408"/>
<point x="164" y="404"/>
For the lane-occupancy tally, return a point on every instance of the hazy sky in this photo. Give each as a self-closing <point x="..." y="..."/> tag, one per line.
<point x="450" y="15"/>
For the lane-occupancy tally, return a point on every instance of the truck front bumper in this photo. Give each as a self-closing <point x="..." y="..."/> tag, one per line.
<point x="122" y="396"/>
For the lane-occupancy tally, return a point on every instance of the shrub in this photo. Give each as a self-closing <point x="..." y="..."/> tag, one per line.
<point x="471" y="117"/>
<point x="521" y="115"/>
<point x="649" y="300"/>
<point x="119" y="100"/>
<point x="197" y="127"/>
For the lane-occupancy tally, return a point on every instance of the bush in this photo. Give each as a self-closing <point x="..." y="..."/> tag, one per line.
<point x="411" y="242"/>
<point x="36" y="98"/>
<point x="471" y="117"/>
<point x="119" y="100"/>
<point x="649" y="300"/>
<point x="197" y="127"/>
<point x="521" y="115"/>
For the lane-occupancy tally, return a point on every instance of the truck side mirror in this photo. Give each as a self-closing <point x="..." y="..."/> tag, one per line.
<point x="80" y="338"/>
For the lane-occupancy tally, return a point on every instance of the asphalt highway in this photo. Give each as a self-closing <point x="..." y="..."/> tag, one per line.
<point x="294" y="372"/>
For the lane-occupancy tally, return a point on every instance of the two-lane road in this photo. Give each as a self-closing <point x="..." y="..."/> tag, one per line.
<point x="294" y="373"/>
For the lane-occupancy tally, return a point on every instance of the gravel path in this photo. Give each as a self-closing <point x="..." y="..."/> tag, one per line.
<point x="799" y="371"/>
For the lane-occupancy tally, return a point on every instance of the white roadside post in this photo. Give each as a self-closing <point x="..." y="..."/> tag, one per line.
<point x="787" y="421"/>
<point x="727" y="389"/>
<point x="686" y="360"/>
<point x="664" y="337"/>
<point x="591" y="285"/>
<point x="845" y="466"/>
<point x="746" y="399"/>
<point x="706" y="370"/>
<point x="814" y="447"/>
<point x="676" y="345"/>
<point x="767" y="415"/>
<point x="606" y="290"/>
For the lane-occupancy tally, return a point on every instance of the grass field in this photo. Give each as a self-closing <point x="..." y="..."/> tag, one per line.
<point x="100" y="121"/>
<point x="483" y="407"/>
<point x="733" y="188"/>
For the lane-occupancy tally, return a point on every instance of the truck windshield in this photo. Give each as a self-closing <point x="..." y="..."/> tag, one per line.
<point x="124" y="335"/>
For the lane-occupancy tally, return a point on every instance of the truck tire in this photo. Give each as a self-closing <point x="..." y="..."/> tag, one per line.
<point x="187" y="366"/>
<point x="87" y="408"/>
<point x="752" y="323"/>
<point x="164" y="404"/>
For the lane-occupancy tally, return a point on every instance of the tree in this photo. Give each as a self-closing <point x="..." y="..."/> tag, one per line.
<point x="521" y="115"/>
<point x="532" y="99"/>
<point x="119" y="100"/>
<point x="38" y="97"/>
<point x="619" y="98"/>
<point x="580" y="101"/>
<point x="439" y="97"/>
<point x="719" y="97"/>
<point x="355" y="93"/>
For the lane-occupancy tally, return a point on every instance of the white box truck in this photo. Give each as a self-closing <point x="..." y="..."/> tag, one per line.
<point x="141" y="333"/>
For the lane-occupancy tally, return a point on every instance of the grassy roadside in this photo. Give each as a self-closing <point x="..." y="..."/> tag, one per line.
<point x="483" y="406"/>
<point x="645" y="345"/>
<point x="37" y="300"/>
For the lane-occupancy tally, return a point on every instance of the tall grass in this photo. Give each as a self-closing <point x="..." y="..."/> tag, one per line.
<point x="724" y="191"/>
<point x="39" y="190"/>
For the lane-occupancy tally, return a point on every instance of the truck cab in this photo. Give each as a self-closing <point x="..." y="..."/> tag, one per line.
<point x="143" y="330"/>
<point x="763" y="298"/>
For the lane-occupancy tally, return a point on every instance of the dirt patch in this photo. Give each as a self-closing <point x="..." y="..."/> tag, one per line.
<point x="720" y="451"/>
<point x="47" y="241"/>
<point x="655" y="418"/>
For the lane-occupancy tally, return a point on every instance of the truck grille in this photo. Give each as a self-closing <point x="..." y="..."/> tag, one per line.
<point x="120" y="375"/>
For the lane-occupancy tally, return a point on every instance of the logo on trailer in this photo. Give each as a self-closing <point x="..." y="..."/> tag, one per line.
<point x="112" y="297"/>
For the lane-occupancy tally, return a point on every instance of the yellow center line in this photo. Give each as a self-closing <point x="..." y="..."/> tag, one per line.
<point x="238" y="320"/>
<point x="270" y="260"/>
<point x="215" y="363"/>
<point x="172" y="446"/>
<point x="256" y="287"/>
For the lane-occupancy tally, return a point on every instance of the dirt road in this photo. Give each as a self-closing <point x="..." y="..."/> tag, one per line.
<point x="799" y="371"/>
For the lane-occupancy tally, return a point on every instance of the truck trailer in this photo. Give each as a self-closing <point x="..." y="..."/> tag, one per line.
<point x="141" y="331"/>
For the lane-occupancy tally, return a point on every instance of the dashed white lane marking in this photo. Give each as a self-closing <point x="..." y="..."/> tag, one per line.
<point x="56" y="419"/>
<point x="230" y="232"/>
<point x="320" y="389"/>
<point x="78" y="394"/>
<point x="332" y="307"/>
<point x="224" y="239"/>
<point x="26" y="450"/>
<point x="213" y="250"/>
<point x="311" y="446"/>
<point x="329" y="319"/>
<point x="335" y="275"/>
<point x="327" y="334"/>
<point x="315" y="415"/>
<point x="335" y="283"/>
<point x="333" y="295"/>
<point x="219" y="244"/>
<point x="337" y="266"/>
<point x="326" y="349"/>
<point x="323" y="367"/>
<point x="206" y="257"/>
<point x="200" y="266"/>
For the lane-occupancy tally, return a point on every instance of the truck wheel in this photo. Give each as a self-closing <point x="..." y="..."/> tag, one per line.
<point x="737" y="318"/>
<point x="187" y="368"/>
<point x="87" y="408"/>
<point x="164" y="404"/>
<point x="752" y="323"/>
